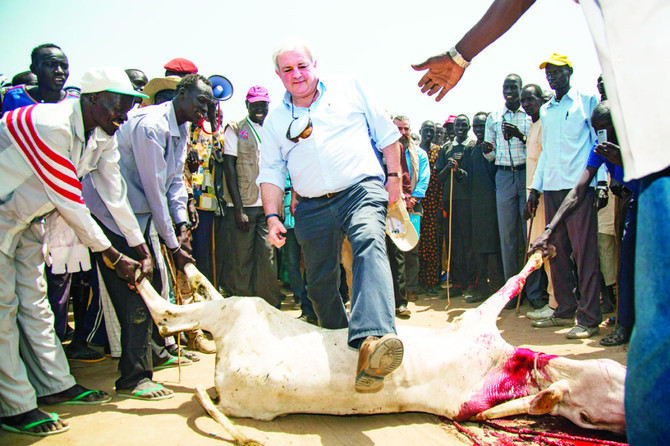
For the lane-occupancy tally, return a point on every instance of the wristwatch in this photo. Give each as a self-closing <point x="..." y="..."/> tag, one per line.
<point x="457" y="58"/>
<point x="394" y="174"/>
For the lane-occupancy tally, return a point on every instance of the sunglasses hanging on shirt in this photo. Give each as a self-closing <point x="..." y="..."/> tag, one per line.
<point x="300" y="127"/>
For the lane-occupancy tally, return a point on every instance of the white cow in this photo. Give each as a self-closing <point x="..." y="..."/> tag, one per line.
<point x="269" y="364"/>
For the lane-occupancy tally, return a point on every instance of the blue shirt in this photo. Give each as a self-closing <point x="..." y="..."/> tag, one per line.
<point x="615" y="171"/>
<point x="18" y="96"/>
<point x="153" y="150"/>
<point x="567" y="139"/>
<point x="424" y="173"/>
<point x="513" y="151"/>
<point x="337" y="154"/>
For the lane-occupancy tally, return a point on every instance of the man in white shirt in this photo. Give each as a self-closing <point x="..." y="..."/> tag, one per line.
<point x="325" y="134"/>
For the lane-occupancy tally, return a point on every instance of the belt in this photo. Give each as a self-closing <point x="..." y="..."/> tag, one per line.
<point x="513" y="168"/>
<point x="330" y="195"/>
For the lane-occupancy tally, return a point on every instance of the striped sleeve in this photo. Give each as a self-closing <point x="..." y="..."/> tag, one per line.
<point x="54" y="170"/>
<point x="57" y="174"/>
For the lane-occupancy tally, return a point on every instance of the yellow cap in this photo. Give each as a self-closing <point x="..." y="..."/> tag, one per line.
<point x="557" y="59"/>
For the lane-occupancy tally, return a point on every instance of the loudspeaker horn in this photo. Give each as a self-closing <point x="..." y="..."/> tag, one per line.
<point x="222" y="87"/>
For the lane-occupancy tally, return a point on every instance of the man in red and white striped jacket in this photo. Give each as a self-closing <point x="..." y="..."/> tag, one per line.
<point x="44" y="151"/>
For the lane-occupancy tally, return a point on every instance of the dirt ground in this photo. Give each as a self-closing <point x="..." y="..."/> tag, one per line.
<point x="182" y="421"/>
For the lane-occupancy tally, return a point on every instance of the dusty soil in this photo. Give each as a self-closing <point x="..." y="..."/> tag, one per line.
<point x="182" y="421"/>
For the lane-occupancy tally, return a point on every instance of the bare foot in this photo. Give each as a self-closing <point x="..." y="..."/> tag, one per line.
<point x="75" y="395"/>
<point x="43" y="424"/>
<point x="147" y="390"/>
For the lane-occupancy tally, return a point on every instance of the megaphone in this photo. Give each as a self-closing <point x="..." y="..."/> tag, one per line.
<point x="221" y="87"/>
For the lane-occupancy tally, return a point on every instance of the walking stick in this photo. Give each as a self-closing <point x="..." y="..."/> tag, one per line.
<point x="451" y="193"/>
<point x="177" y="295"/>
<point x="214" y="256"/>
<point x="525" y="256"/>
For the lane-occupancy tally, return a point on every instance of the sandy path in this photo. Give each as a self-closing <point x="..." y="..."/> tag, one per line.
<point x="182" y="421"/>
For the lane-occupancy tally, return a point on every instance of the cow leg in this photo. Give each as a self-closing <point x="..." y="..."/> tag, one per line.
<point x="168" y="317"/>
<point x="214" y="412"/>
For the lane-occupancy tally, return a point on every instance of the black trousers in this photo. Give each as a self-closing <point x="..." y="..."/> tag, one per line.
<point x="141" y="343"/>
<point x="397" y="262"/>
<point x="463" y="264"/>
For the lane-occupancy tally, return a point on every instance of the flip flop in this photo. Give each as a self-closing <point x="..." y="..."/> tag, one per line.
<point x="79" y="399"/>
<point x="25" y="430"/>
<point x="173" y="362"/>
<point x="138" y="394"/>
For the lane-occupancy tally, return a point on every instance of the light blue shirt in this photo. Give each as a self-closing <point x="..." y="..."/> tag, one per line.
<point x="567" y="139"/>
<point x="153" y="151"/>
<point x="337" y="154"/>
<point x="424" y="172"/>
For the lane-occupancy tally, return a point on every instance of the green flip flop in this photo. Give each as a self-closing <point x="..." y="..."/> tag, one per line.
<point x="139" y="394"/>
<point x="79" y="399"/>
<point x="25" y="430"/>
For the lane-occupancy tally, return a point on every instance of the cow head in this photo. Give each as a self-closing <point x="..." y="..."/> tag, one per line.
<point x="589" y="393"/>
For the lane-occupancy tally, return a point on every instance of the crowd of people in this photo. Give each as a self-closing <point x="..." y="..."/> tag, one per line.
<point x="126" y="178"/>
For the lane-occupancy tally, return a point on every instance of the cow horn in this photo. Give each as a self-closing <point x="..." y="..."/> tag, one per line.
<point x="506" y="409"/>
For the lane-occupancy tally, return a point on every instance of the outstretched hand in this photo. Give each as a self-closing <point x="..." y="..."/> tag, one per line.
<point x="542" y="244"/>
<point x="443" y="74"/>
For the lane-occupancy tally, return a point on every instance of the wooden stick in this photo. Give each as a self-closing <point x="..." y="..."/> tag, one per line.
<point x="525" y="256"/>
<point x="451" y="194"/>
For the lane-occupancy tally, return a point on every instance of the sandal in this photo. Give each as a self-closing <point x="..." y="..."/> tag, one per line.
<point x="101" y="397"/>
<point x="25" y="429"/>
<point x="173" y="362"/>
<point x="143" y="387"/>
<point x="619" y="336"/>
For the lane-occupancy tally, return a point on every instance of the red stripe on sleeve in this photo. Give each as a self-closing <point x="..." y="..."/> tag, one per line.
<point x="26" y="149"/>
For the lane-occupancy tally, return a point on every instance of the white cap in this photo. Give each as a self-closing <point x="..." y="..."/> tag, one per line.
<point x="399" y="227"/>
<point x="112" y="79"/>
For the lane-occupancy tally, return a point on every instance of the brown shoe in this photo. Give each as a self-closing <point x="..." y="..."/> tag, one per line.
<point x="377" y="358"/>
<point x="198" y="341"/>
<point x="412" y="296"/>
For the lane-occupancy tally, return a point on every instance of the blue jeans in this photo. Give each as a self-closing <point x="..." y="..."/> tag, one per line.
<point x="510" y="203"/>
<point x="358" y="212"/>
<point x="647" y="388"/>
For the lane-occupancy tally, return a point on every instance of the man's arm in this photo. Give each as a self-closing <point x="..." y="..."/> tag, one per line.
<point x="393" y="183"/>
<point x="148" y="152"/>
<point x="443" y="73"/>
<point x="273" y="202"/>
<point x="570" y="203"/>
<point x="112" y="189"/>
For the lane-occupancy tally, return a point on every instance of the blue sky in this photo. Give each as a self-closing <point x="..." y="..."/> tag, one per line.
<point x="374" y="40"/>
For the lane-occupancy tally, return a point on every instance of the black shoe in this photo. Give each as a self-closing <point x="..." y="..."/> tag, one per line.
<point x="77" y="350"/>
<point x="309" y="319"/>
<point x="477" y="296"/>
<point x="620" y="336"/>
<point x="455" y="291"/>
